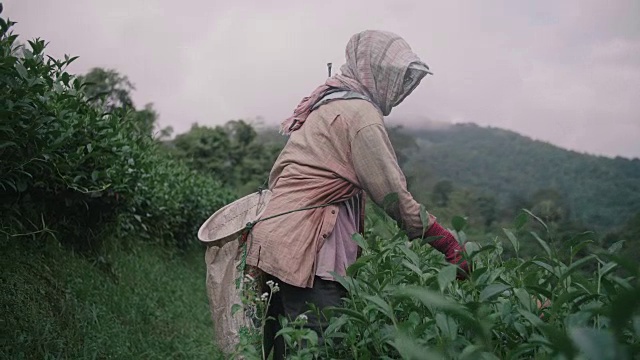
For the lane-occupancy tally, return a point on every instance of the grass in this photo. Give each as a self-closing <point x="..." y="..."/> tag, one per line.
<point x="143" y="303"/>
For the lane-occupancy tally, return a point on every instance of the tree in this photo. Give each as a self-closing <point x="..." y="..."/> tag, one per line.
<point x="403" y="143"/>
<point x="487" y="207"/>
<point x="231" y="153"/>
<point x="550" y="206"/>
<point x="108" y="89"/>
<point x="441" y="191"/>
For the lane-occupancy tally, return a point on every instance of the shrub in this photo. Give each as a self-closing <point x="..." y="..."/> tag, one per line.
<point x="78" y="170"/>
<point x="405" y="302"/>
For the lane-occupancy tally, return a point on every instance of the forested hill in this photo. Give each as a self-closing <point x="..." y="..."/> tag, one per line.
<point x="598" y="191"/>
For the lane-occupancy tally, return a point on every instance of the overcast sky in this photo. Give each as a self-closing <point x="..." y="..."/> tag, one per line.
<point x="567" y="72"/>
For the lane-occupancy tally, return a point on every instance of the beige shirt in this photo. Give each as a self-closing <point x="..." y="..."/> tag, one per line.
<point x="342" y="148"/>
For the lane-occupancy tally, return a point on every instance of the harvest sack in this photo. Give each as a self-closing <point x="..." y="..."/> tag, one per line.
<point x="224" y="234"/>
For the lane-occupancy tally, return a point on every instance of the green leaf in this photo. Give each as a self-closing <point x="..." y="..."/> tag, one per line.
<point x="429" y="298"/>
<point x="520" y="220"/>
<point x="432" y="299"/>
<point x="352" y="314"/>
<point x="533" y="319"/>
<point x="623" y="307"/>
<point x="575" y="266"/>
<point x="568" y="298"/>
<point x="95" y="175"/>
<point x="594" y="343"/>
<point x="412" y="267"/>
<point x="411" y="255"/>
<point x="22" y="71"/>
<point x="446" y="276"/>
<point x="477" y="273"/>
<point x="458" y="223"/>
<point x="537" y="219"/>
<point x="361" y="262"/>
<point x="493" y="290"/>
<point x="615" y="247"/>
<point x="447" y="325"/>
<point x="474" y="251"/>
<point x="410" y="348"/>
<point x="525" y="298"/>
<point x="359" y="239"/>
<point x="21" y="186"/>
<point x="381" y="305"/>
<point x="6" y="144"/>
<point x="336" y="324"/>
<point x="545" y="266"/>
<point x="89" y="147"/>
<point x="470" y="352"/>
<point x="512" y="238"/>
<point x="542" y="243"/>
<point x="65" y="78"/>
<point x="628" y="264"/>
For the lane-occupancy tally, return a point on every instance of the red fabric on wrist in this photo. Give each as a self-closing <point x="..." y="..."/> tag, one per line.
<point x="449" y="246"/>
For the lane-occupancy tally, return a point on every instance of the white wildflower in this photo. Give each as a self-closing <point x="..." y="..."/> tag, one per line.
<point x="264" y="296"/>
<point x="275" y="288"/>
<point x="270" y="283"/>
<point x="303" y="317"/>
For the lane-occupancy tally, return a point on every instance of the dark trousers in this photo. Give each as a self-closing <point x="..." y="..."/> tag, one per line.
<point x="292" y="301"/>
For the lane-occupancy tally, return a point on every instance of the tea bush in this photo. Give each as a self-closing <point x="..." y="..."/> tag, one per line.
<point x="405" y="302"/>
<point x="77" y="170"/>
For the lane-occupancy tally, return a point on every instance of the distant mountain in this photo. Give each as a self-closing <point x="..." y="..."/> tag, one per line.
<point x="600" y="192"/>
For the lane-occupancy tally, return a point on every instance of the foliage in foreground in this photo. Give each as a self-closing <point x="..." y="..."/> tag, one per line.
<point x="404" y="301"/>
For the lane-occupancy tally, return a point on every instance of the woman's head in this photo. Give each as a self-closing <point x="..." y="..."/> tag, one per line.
<point x="380" y="65"/>
<point x="384" y="66"/>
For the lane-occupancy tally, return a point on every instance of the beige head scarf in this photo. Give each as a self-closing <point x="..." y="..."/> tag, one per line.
<point x="379" y="65"/>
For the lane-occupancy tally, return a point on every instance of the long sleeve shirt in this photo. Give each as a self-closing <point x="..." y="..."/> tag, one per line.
<point x="342" y="149"/>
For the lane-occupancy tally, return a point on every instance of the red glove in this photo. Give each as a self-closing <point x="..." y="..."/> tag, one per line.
<point x="449" y="246"/>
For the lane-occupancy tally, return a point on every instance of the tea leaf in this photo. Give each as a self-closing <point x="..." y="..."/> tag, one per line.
<point x="613" y="249"/>
<point x="594" y="343"/>
<point x="360" y="263"/>
<point x="446" y="276"/>
<point x="520" y="220"/>
<point x="537" y="219"/>
<point x="412" y="267"/>
<point x="352" y="314"/>
<point x="410" y="348"/>
<point x="21" y="70"/>
<point x="458" y="223"/>
<point x="542" y="243"/>
<point x="381" y="305"/>
<point x="512" y="238"/>
<point x="575" y="267"/>
<point x="447" y="325"/>
<point x="357" y="237"/>
<point x="493" y="290"/>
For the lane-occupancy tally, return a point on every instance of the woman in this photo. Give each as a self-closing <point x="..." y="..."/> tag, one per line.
<point x="338" y="148"/>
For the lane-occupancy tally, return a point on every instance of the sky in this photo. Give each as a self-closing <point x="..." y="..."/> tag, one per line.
<point x="566" y="72"/>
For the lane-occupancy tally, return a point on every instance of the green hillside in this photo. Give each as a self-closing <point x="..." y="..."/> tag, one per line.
<point x="599" y="192"/>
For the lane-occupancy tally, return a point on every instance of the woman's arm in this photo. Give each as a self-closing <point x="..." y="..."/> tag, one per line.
<point x="379" y="174"/>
